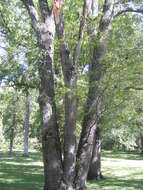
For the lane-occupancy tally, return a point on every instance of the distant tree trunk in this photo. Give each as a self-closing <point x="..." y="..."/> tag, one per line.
<point x="11" y="141"/>
<point x="141" y="137"/>
<point x="95" y="163"/>
<point x="27" y="103"/>
<point x="13" y="125"/>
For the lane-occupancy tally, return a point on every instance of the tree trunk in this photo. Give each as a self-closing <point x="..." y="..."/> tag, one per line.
<point x="84" y="158"/>
<point x="26" y="124"/>
<point x="50" y="140"/>
<point x="141" y="137"/>
<point x="50" y="136"/>
<point x="92" y="108"/>
<point x="95" y="164"/>
<point x="44" y="26"/>
<point x="69" y="139"/>
<point x="11" y="141"/>
<point x="86" y="143"/>
<point x="70" y="120"/>
<point x="70" y="80"/>
<point x="13" y="125"/>
<point x="88" y="134"/>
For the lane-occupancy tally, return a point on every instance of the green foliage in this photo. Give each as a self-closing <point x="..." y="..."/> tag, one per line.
<point x="121" y="102"/>
<point x="6" y="119"/>
<point x="121" y="106"/>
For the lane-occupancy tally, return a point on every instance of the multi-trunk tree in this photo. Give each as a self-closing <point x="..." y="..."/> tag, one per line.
<point x="68" y="168"/>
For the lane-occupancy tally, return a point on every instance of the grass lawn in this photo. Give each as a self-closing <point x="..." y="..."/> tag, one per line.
<point x="122" y="171"/>
<point x="19" y="173"/>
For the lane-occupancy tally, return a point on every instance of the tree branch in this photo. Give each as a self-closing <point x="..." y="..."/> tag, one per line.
<point x="44" y="8"/>
<point x="4" y="22"/>
<point x="29" y="4"/>
<point x="81" y="33"/>
<point x="128" y="7"/>
<point x="64" y="50"/>
<point x="133" y="88"/>
<point x="93" y="8"/>
<point x="108" y="109"/>
<point x="106" y="19"/>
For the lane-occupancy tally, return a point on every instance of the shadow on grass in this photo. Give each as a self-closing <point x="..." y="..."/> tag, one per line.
<point x="18" y="156"/>
<point x="20" y="173"/>
<point x="20" y="186"/>
<point x="117" y="183"/>
<point x="132" y="155"/>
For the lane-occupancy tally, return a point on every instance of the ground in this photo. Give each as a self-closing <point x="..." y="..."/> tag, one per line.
<point x="121" y="170"/>
<point x="20" y="173"/>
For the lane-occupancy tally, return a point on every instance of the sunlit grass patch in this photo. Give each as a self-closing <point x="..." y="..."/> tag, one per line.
<point x="121" y="171"/>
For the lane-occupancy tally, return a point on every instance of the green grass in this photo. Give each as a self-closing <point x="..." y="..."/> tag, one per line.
<point x="20" y="173"/>
<point x="122" y="171"/>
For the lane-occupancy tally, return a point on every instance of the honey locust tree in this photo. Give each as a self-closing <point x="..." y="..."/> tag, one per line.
<point x="70" y="171"/>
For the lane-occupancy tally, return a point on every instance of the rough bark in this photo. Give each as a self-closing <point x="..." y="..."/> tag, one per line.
<point x="95" y="163"/>
<point x="27" y="113"/>
<point x="70" y="120"/>
<point x="70" y="109"/>
<point x="110" y="11"/>
<point x="50" y="138"/>
<point x="89" y="125"/>
<point x="90" y="121"/>
<point x="69" y="139"/>
<point x="70" y="69"/>
<point x="93" y="8"/>
<point x="96" y="70"/>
